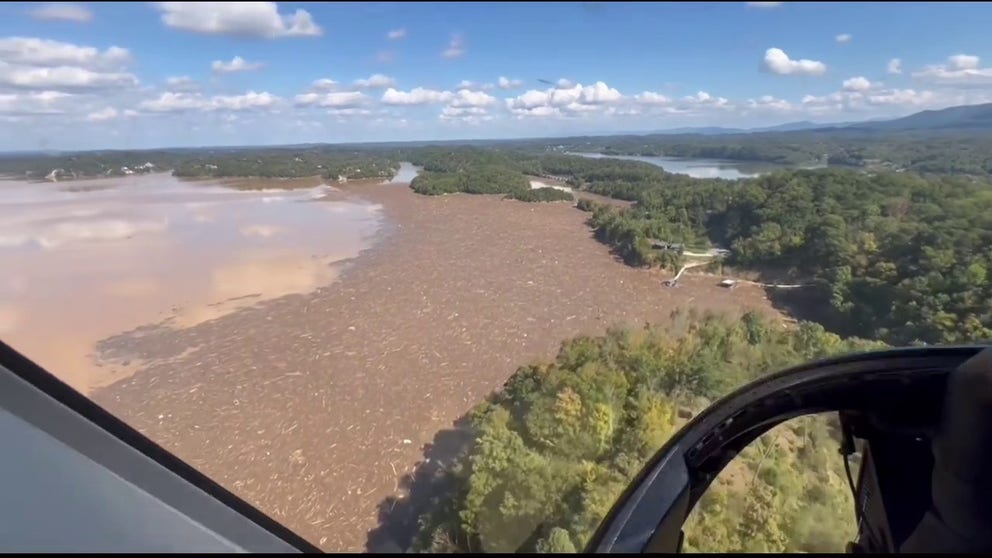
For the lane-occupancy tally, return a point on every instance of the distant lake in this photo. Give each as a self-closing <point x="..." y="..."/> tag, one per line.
<point x="406" y="173"/>
<point x="697" y="168"/>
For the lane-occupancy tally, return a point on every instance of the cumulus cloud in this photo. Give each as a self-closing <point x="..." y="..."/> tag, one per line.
<point x="857" y="83"/>
<point x="349" y="111"/>
<point x="702" y="98"/>
<point x="338" y="99"/>
<point x="475" y="86"/>
<point x="470" y="115"/>
<point x="468" y="98"/>
<point x="652" y="98"/>
<point x="764" y="4"/>
<point x="768" y="102"/>
<point x="843" y="38"/>
<point x="237" y="64"/>
<point x="778" y="62"/>
<point x="963" y="61"/>
<point x="31" y="51"/>
<point x="375" y="81"/>
<point x="854" y="100"/>
<point x="102" y="115"/>
<point x="32" y="63"/>
<point x="559" y="100"/>
<point x="456" y="48"/>
<point x="63" y="77"/>
<point x="384" y="56"/>
<point x="396" y="34"/>
<point x="894" y="66"/>
<point x="259" y="20"/>
<point x="507" y="83"/>
<point x="181" y="83"/>
<point x="35" y="103"/>
<point x="183" y="102"/>
<point x="416" y="96"/>
<point x="960" y="69"/>
<point x="324" y="84"/>
<point x="62" y="12"/>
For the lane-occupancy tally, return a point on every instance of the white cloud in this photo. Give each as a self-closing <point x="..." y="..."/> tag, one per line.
<point x="41" y="102"/>
<point x="564" y="101"/>
<point x="778" y="62"/>
<point x="181" y="83"/>
<point x="260" y="20"/>
<point x="456" y="48"/>
<point x="45" y="52"/>
<point x="857" y="83"/>
<point x="598" y="93"/>
<point x="904" y="97"/>
<point x="507" y="83"/>
<point x="894" y="66"/>
<point x="63" y="77"/>
<point x="862" y="100"/>
<point x="963" y="62"/>
<point x="764" y="4"/>
<point x="249" y="100"/>
<point x="843" y="38"/>
<point x="174" y="102"/>
<point x="768" y="102"/>
<point x="237" y="64"/>
<point x="474" y="86"/>
<point x="564" y="84"/>
<point x="396" y="34"/>
<point x="332" y="99"/>
<point x="961" y="69"/>
<point x="375" y="81"/>
<point x="349" y="111"/>
<point x="102" y="115"/>
<point x="416" y="96"/>
<point x="652" y="98"/>
<point x="324" y="84"/>
<point x="468" y="98"/>
<point x="181" y="102"/>
<point x="702" y="98"/>
<point x="471" y="115"/>
<point x="63" y="12"/>
<point x="384" y="56"/>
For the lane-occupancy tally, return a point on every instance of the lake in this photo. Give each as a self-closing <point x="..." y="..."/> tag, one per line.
<point x="84" y="260"/>
<point x="697" y="168"/>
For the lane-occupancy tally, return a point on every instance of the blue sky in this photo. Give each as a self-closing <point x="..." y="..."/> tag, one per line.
<point x="139" y="75"/>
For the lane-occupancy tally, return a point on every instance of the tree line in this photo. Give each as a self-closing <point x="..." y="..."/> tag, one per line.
<point x="553" y="450"/>
<point x="894" y="256"/>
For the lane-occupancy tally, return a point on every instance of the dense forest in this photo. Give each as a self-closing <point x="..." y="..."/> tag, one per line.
<point x="480" y="171"/>
<point x="298" y="163"/>
<point x="893" y="256"/>
<point x="557" y="445"/>
<point x="277" y="162"/>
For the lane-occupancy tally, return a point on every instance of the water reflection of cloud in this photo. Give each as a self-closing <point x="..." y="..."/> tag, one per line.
<point x="9" y="318"/>
<point x="67" y="233"/>
<point x="261" y="231"/>
<point x="271" y="277"/>
<point x="188" y="258"/>
<point x="133" y="287"/>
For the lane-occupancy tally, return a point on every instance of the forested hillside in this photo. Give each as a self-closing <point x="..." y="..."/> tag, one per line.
<point x="893" y="256"/>
<point x="554" y="449"/>
<point x="945" y="151"/>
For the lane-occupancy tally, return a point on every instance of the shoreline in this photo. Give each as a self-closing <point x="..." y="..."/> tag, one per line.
<point x="451" y="295"/>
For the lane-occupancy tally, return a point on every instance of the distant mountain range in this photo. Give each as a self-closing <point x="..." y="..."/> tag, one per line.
<point x="967" y="117"/>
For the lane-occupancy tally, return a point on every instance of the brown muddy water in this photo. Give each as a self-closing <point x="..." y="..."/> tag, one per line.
<point x="85" y="260"/>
